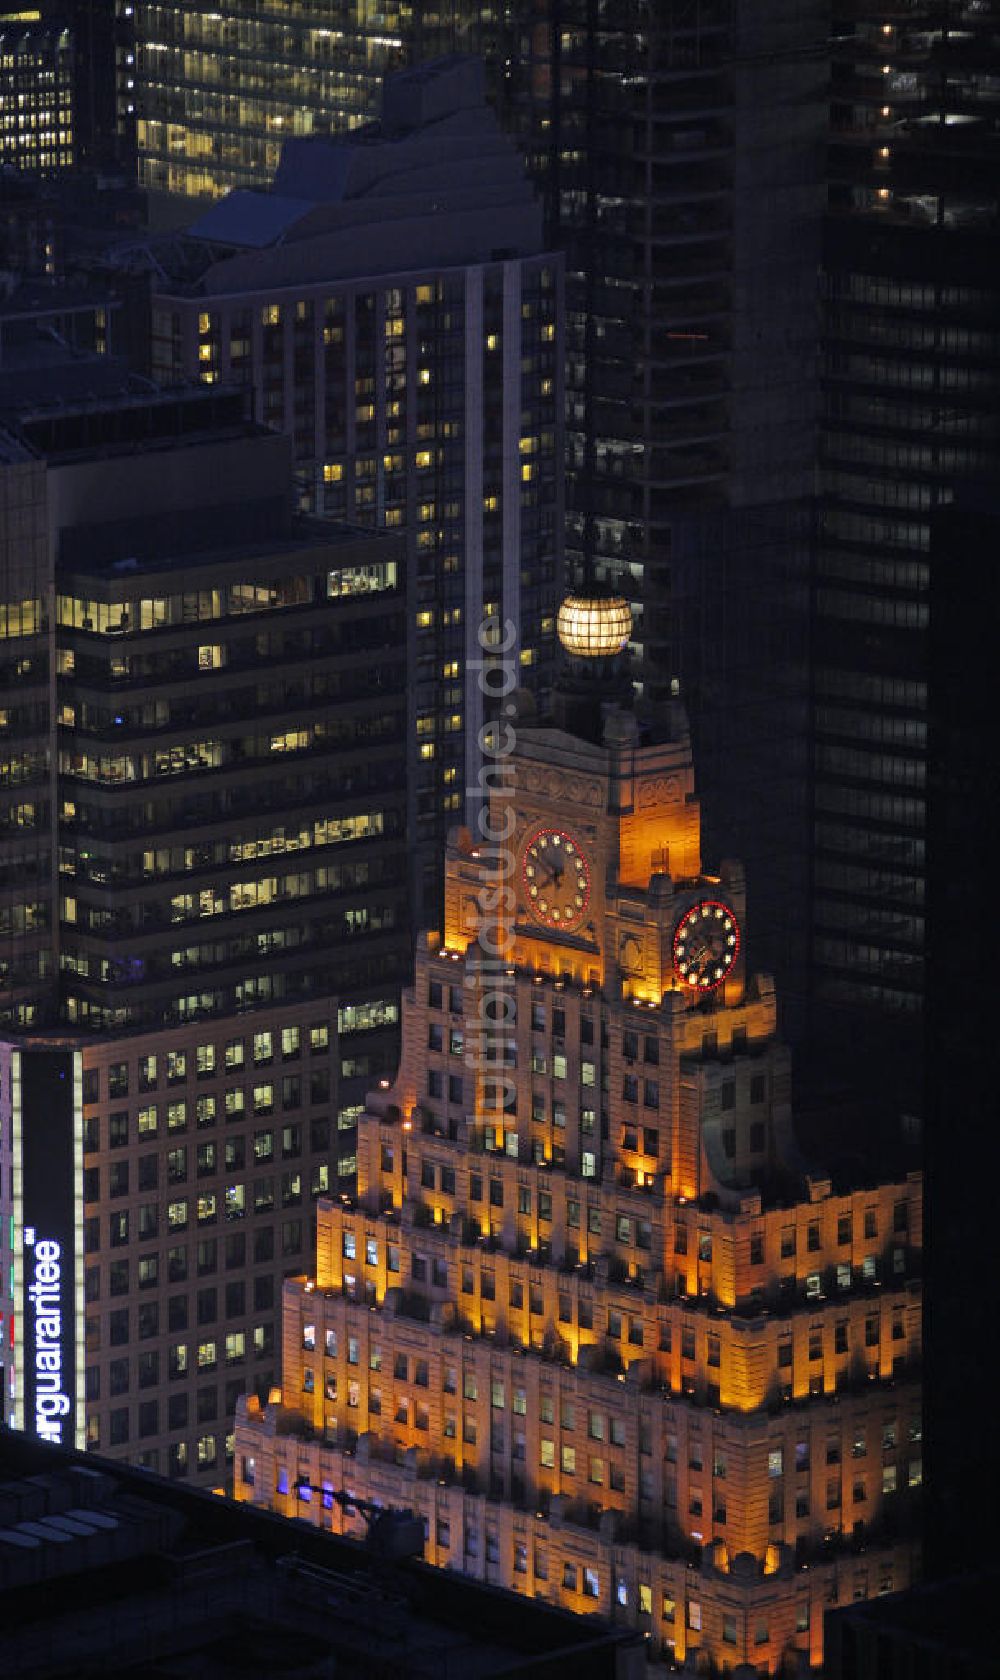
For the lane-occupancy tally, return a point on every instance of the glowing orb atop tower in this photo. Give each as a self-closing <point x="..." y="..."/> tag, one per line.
<point x="594" y="626"/>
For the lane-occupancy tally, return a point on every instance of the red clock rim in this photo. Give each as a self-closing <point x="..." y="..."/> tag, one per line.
<point x="713" y="904"/>
<point x="563" y="834"/>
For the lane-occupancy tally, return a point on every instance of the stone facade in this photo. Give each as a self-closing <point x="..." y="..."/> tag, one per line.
<point x="589" y="1313"/>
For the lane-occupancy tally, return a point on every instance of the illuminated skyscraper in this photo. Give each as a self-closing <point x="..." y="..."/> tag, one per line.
<point x="37" y="94"/>
<point x="589" y="1312"/>
<point x="59" y="64"/>
<point x="203" y="901"/>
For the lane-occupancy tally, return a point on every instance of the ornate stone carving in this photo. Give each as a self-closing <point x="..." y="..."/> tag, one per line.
<point x="665" y="790"/>
<point x="630" y="955"/>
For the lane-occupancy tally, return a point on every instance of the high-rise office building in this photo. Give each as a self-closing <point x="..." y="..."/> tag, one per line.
<point x="911" y="389"/>
<point x="59" y="65"/>
<point x="200" y="688"/>
<point x="589" y="1313"/>
<point x="203" y="900"/>
<point x="678" y="149"/>
<point x="37" y="94"/>
<point x="220" y="87"/>
<point x="391" y="306"/>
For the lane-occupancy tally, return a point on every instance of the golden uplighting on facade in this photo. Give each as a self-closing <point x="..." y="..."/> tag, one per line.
<point x="605" y="1262"/>
<point x="594" y="627"/>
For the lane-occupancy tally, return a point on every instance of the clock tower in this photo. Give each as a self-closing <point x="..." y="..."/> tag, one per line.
<point x="599" y="884"/>
<point x="589" y="1314"/>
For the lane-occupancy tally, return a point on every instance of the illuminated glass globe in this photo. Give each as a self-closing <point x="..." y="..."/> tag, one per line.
<point x="594" y="626"/>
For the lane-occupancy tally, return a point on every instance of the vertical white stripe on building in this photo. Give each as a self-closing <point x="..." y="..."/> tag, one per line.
<point x="511" y="460"/>
<point x="472" y="611"/>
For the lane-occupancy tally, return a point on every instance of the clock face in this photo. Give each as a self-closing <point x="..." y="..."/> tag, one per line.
<point x="556" y="878"/>
<point x="706" y="944"/>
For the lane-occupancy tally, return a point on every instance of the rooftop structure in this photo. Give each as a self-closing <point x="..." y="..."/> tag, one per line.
<point x="940" y="1630"/>
<point x="113" y="1571"/>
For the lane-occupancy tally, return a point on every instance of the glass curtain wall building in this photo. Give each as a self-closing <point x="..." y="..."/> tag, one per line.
<point x="911" y="391"/>
<point x="679" y="151"/>
<point x="219" y="87"/>
<point x="37" y="94"/>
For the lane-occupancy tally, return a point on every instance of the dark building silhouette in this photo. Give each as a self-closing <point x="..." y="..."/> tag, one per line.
<point x="911" y="391"/>
<point x="961" y="1146"/>
<point x="943" y="1630"/>
<point x="107" y="1570"/>
<point x="678" y="149"/>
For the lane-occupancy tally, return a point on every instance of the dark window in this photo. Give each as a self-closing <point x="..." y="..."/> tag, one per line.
<point x="148" y="1369"/>
<point x="149" y="1320"/>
